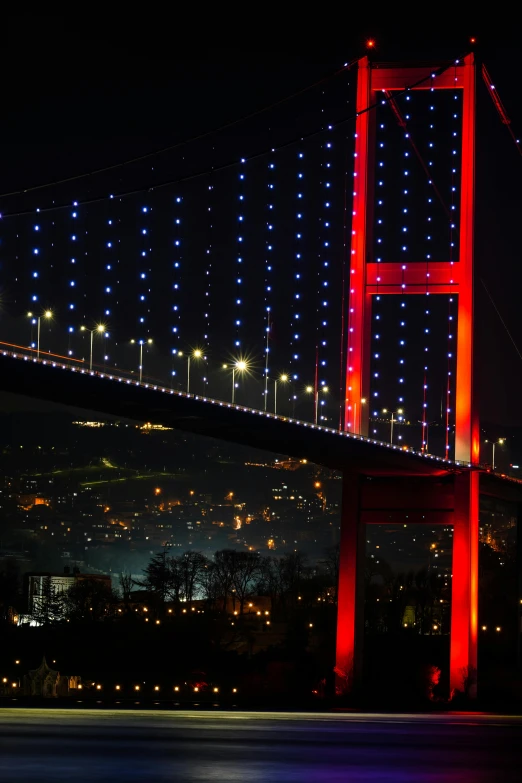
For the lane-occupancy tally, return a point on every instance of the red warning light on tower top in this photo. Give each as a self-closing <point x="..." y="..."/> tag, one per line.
<point x="370" y="43"/>
<point x="473" y="40"/>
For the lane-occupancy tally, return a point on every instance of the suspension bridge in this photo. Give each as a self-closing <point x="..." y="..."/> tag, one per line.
<point x="313" y="298"/>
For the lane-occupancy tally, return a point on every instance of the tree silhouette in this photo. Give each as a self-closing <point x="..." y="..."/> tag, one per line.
<point x="90" y="600"/>
<point x="48" y="606"/>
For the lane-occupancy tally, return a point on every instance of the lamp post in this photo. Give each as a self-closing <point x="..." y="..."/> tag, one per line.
<point x="425" y="432"/>
<point x="47" y="314"/>
<point x="499" y="442"/>
<point x="310" y="390"/>
<point x="196" y="354"/>
<point x="239" y="366"/>
<point x="141" y="343"/>
<point x="325" y="390"/>
<point x="33" y="321"/>
<point x="393" y="420"/>
<point x="282" y="379"/>
<point x="100" y="329"/>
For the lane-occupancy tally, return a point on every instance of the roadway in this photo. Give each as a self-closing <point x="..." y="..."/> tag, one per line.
<point x="44" y="745"/>
<point x="54" y="380"/>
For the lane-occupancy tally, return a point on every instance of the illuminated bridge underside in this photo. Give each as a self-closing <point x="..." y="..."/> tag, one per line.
<point x="238" y="425"/>
<point x="213" y="419"/>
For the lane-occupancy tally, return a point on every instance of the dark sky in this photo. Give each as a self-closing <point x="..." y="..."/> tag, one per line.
<point x="81" y="92"/>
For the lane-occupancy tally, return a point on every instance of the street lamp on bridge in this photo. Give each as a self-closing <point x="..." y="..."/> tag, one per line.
<point x="425" y="433"/>
<point x="282" y="379"/>
<point x="196" y="354"/>
<point x="323" y="389"/>
<point x="396" y="417"/>
<point x="311" y="390"/>
<point x="141" y="343"/>
<point x="240" y="366"/>
<point x="499" y="442"/>
<point x="47" y="314"/>
<point x="99" y="329"/>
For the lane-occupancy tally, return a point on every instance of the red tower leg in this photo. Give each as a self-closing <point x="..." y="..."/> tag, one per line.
<point x="350" y="598"/>
<point x="464" y="592"/>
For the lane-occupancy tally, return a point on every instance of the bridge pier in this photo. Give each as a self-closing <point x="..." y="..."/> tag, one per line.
<point x="350" y="594"/>
<point x="392" y="500"/>
<point x="464" y="585"/>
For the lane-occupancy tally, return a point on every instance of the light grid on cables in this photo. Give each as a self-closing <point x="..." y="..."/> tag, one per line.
<point x="144" y="268"/>
<point x="324" y="292"/>
<point x="269" y="273"/>
<point x="177" y="260"/>
<point x="298" y="273"/>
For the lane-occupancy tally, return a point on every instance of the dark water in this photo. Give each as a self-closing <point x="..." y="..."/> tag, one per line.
<point x="105" y="745"/>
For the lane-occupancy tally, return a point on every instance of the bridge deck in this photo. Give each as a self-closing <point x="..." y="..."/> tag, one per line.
<point x="53" y="381"/>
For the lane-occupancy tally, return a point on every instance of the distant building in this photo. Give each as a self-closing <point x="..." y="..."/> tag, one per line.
<point x="35" y="584"/>
<point x="48" y="683"/>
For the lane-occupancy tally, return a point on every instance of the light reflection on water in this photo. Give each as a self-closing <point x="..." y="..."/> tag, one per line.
<point x="51" y="746"/>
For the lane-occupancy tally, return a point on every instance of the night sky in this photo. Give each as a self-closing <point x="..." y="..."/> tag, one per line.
<point x="79" y="95"/>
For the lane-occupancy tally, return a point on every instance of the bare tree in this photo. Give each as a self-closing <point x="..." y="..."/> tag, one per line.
<point x="268" y="581"/>
<point x="210" y="584"/>
<point x="247" y="567"/>
<point x="191" y="566"/>
<point x="126" y="585"/>
<point x="90" y="600"/>
<point x="330" y="565"/>
<point x="223" y="573"/>
<point x="160" y="578"/>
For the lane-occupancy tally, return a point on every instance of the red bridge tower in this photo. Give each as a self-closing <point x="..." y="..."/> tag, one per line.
<point x="443" y="277"/>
